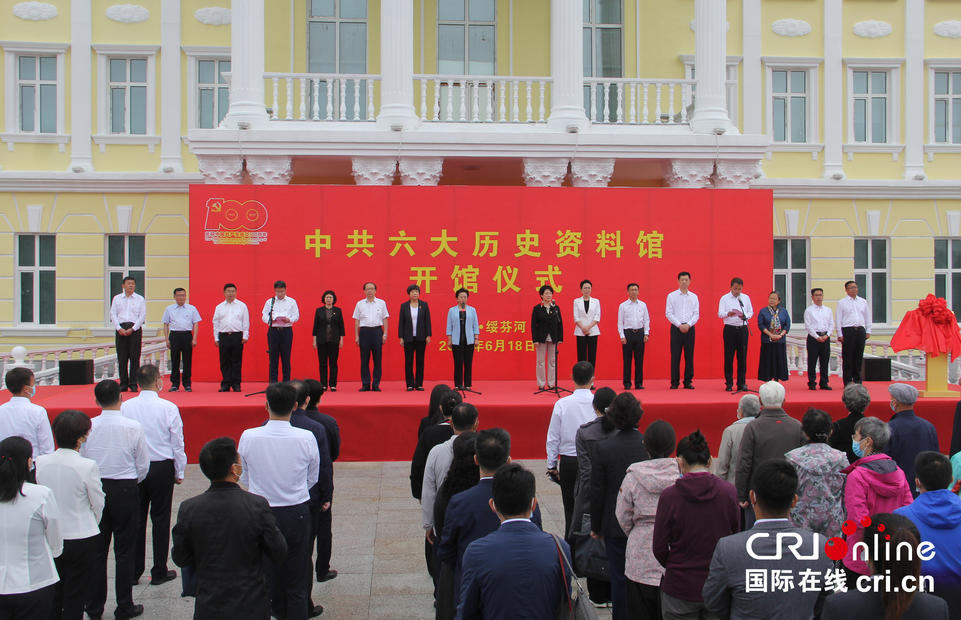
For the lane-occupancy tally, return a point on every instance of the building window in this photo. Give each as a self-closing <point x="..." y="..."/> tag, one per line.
<point x="947" y="107"/>
<point x="603" y="55"/>
<point x="34" y="93"/>
<point x="337" y="44"/>
<point x="873" y="105"/>
<point x="128" y="95"/>
<point x="36" y="276"/>
<point x="37" y="84"/>
<point x="791" y="275"/>
<point x="213" y="93"/>
<point x="466" y="45"/>
<point x="126" y="256"/>
<point x="947" y="271"/>
<point x="126" y="103"/>
<point x="871" y="275"/>
<point x="789" y="105"/>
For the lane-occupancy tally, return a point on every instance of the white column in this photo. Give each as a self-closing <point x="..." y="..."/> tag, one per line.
<point x="397" y="65"/>
<point x="914" y="90"/>
<point x="751" y="86"/>
<point x="81" y="73"/>
<point x="834" y="98"/>
<point x="247" y="65"/>
<point x="567" y="66"/>
<point x="170" y="87"/>
<point x="710" y="67"/>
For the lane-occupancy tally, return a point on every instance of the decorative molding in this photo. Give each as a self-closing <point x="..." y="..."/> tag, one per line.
<point x="795" y="147"/>
<point x="35" y="138"/>
<point x="213" y="16"/>
<point x="591" y="172"/>
<point x="221" y="170"/>
<point x="421" y="170"/>
<point x="128" y="13"/>
<point x="545" y="171"/>
<point x="948" y="30"/>
<point x="872" y="29"/>
<point x="269" y="169"/>
<point x="894" y="149"/>
<point x="35" y="11"/>
<point x="689" y="173"/>
<point x="727" y="24"/>
<point x="791" y="27"/>
<point x="28" y="331"/>
<point x="735" y="173"/>
<point x="104" y="140"/>
<point x="374" y="170"/>
<point x="99" y="182"/>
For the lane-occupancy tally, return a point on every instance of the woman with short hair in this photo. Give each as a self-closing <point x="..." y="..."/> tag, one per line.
<point x="774" y="323"/>
<point x="463" y="328"/>
<point x="329" y="332"/>
<point x="856" y="399"/>
<point x="547" y="331"/>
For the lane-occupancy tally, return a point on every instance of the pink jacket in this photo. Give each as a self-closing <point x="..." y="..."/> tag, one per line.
<point x="636" y="507"/>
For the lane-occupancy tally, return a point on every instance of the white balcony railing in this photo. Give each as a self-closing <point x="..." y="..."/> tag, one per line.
<point x="322" y="97"/>
<point x="905" y="366"/>
<point x="45" y="363"/>
<point x="483" y="98"/>
<point x="637" y="101"/>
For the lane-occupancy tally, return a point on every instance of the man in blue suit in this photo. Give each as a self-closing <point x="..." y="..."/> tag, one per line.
<point x="469" y="515"/>
<point x="514" y="572"/>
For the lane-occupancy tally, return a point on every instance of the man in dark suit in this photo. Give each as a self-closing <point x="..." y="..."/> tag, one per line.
<point x="414" y="332"/>
<point x="514" y="572"/>
<point x="469" y="516"/>
<point x="727" y="591"/>
<point x="325" y="525"/>
<point x="225" y="533"/>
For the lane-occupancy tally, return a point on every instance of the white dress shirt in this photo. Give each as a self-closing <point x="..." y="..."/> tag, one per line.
<point x="285" y="307"/>
<point x="853" y="313"/>
<point x="280" y="462"/>
<point x="118" y="446"/>
<point x="682" y="308"/>
<point x="569" y="414"/>
<point x="128" y="309"/>
<point x="593" y="314"/>
<point x="730" y="302"/>
<point x="371" y="313"/>
<point x="438" y="462"/>
<point x="818" y="319"/>
<point x="75" y="482"/>
<point x="163" y="428"/>
<point x="633" y="315"/>
<point x="181" y="318"/>
<point x="30" y="538"/>
<point x="230" y="318"/>
<point x="21" y="418"/>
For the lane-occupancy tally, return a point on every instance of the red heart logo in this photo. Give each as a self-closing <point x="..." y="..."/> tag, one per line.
<point x="849" y="527"/>
<point x="865" y="521"/>
<point x="880" y="527"/>
<point x="887" y="537"/>
<point x="836" y="548"/>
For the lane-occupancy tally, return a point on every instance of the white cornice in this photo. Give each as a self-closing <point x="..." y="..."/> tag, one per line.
<point x="24" y="46"/>
<point x="120" y="49"/>
<point x="848" y="189"/>
<point x="98" y="182"/>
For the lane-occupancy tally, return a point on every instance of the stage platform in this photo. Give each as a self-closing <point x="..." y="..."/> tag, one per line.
<point x="382" y="426"/>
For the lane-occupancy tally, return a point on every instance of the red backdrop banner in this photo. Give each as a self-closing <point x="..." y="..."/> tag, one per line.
<point x="501" y="243"/>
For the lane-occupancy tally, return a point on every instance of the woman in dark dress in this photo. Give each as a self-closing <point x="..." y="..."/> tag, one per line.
<point x="547" y="331"/>
<point x="328" y="338"/>
<point x="775" y="323"/>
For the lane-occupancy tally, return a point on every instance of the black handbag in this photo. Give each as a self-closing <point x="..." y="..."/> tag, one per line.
<point x="574" y="603"/>
<point x="590" y="554"/>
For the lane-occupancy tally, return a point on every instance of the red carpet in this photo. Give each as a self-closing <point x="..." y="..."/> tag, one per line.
<point x="383" y="426"/>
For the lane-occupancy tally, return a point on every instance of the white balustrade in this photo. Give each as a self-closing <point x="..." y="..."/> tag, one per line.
<point x="342" y="97"/>
<point x="905" y="366"/>
<point x="46" y="362"/>
<point x="482" y="98"/>
<point x="620" y="102"/>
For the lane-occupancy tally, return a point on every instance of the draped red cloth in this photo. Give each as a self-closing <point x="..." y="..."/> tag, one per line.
<point x="932" y="328"/>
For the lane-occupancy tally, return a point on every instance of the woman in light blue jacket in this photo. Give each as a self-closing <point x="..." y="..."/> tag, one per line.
<point x="462" y="329"/>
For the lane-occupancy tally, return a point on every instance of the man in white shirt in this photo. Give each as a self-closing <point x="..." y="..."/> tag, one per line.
<point x="463" y="419"/>
<point x="854" y="328"/>
<point x="736" y="310"/>
<point x="819" y="324"/>
<point x="231" y="330"/>
<point x="164" y="433"/>
<point x="280" y="313"/>
<point x="682" y="310"/>
<point x="281" y="463"/>
<point x="634" y="328"/>
<point x="569" y="414"/>
<point x="128" y="313"/>
<point x="118" y="446"/>
<point x="21" y="418"/>
<point x="370" y="334"/>
<point x="181" y="322"/>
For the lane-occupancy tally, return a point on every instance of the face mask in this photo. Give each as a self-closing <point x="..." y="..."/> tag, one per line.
<point x="894" y="407"/>
<point x="856" y="447"/>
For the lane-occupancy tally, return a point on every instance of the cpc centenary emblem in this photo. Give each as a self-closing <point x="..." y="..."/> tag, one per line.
<point x="231" y="222"/>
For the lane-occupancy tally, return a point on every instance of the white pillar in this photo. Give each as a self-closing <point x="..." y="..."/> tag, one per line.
<point x="397" y="65"/>
<point x="834" y="98"/>
<point x="710" y="66"/>
<point x="753" y="105"/>
<point x="170" y="87"/>
<point x="914" y="90"/>
<point x="247" y="65"/>
<point x="81" y="118"/>
<point x="567" y="66"/>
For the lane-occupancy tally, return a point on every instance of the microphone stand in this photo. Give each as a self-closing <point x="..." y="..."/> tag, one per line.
<point x="743" y="388"/>
<point x="556" y="390"/>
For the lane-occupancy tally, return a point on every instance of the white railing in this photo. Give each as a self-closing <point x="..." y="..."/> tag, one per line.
<point x="638" y="102"/>
<point x="483" y="98"/>
<point x="905" y="366"/>
<point x="45" y="363"/>
<point x="322" y="96"/>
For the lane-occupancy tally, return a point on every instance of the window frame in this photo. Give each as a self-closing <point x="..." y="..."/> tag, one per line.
<point x="125" y="269"/>
<point x="106" y="52"/>
<point x="12" y="50"/>
<point x="467" y="22"/>
<point x="35" y="269"/>
<point x="594" y="26"/>
<point x="812" y="106"/>
<point x="868" y="290"/>
<point x="894" y="144"/>
<point x="932" y="66"/>
<point x="947" y="272"/>
<point x="335" y="85"/>
<point x="196" y="53"/>
<point x="787" y="295"/>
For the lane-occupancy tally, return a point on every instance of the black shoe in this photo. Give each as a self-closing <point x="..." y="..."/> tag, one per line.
<point x="174" y="389"/>
<point x="673" y="387"/>
<point x="627" y="387"/>
<point x="366" y="388"/>
<point x="728" y="388"/>
<point x="158" y="581"/>
<point x="688" y="386"/>
<point x="132" y="389"/>
<point x="419" y="389"/>
<point x="333" y="389"/>
<point x="376" y="389"/>
<point x="812" y="387"/>
<point x="331" y="574"/>
<point x="133" y="613"/>
<point x="224" y="390"/>
<point x="316" y="611"/>
<point x="188" y="389"/>
<point x="410" y="389"/>
<point x="236" y="389"/>
<point x="826" y="387"/>
<point x="742" y="388"/>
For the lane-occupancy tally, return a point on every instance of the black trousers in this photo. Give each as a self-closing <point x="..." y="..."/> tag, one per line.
<point x="181" y="346"/>
<point x="279" y="341"/>
<point x="121" y="513"/>
<point x="26" y="606"/>
<point x="587" y="350"/>
<point x="567" y="469"/>
<point x="128" y="352"/>
<point x="682" y="342"/>
<point x="643" y="601"/>
<point x="75" y="567"/>
<point x="231" y="359"/>
<point x="463" y="364"/>
<point x="327" y="354"/>
<point x="633" y="351"/>
<point x="411" y="350"/>
<point x="852" y="353"/>
<point x="735" y="345"/>
<point x="325" y="541"/>
<point x="156" y="497"/>
<point x="371" y="345"/>
<point x="818" y="353"/>
<point x="290" y="581"/>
